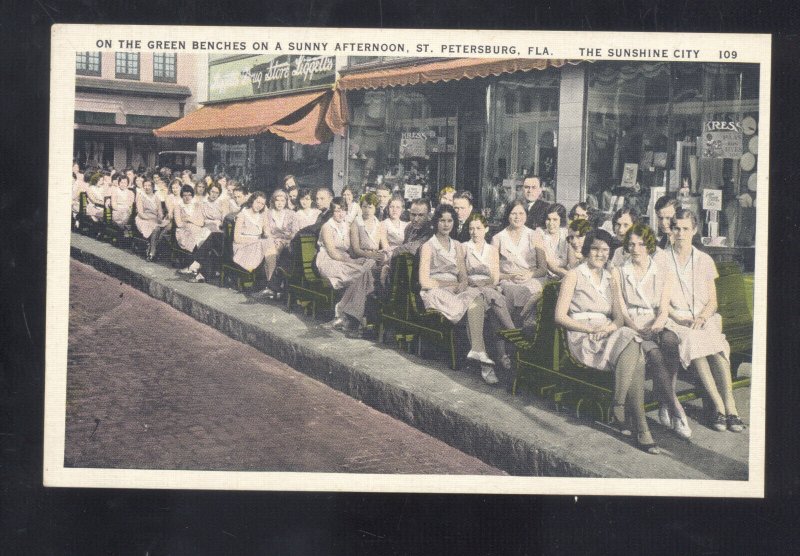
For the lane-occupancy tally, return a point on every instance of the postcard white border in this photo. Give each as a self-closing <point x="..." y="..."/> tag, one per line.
<point x="69" y="39"/>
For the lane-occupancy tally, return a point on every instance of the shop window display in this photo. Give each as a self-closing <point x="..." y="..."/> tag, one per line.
<point x="679" y="128"/>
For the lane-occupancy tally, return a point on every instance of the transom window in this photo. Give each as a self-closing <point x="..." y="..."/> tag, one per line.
<point x="165" y="67"/>
<point x="127" y="65"/>
<point x="87" y="63"/>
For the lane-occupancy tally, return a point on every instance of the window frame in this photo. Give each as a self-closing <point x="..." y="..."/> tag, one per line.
<point x="165" y="78"/>
<point x="128" y="56"/>
<point x="87" y="71"/>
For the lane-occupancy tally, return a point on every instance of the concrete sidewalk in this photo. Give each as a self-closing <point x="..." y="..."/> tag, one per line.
<point x="521" y="435"/>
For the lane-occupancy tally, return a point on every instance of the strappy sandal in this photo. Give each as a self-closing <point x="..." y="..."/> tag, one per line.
<point x="617" y="420"/>
<point x="645" y="442"/>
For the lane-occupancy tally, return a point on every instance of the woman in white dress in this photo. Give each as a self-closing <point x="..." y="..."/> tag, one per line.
<point x="191" y="233"/>
<point x="282" y="221"/>
<point x="306" y="214"/>
<point x="393" y="227"/>
<point x="173" y="199"/>
<point x="592" y="316"/>
<point x="576" y="233"/>
<point x="366" y="237"/>
<point x="353" y="274"/>
<point x="213" y="208"/>
<point x="95" y="194"/>
<point x="252" y="241"/>
<point x="150" y="220"/>
<point x="122" y="199"/>
<point x="200" y="191"/>
<point x="643" y="292"/>
<point x="693" y="310"/>
<point x="522" y="263"/>
<point x="482" y="263"/>
<point x="553" y="239"/>
<point x="445" y="286"/>
<point x="352" y="209"/>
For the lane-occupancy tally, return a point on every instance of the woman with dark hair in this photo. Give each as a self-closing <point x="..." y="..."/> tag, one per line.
<point x="621" y="222"/>
<point x="191" y="233"/>
<point x="592" y="316"/>
<point x="553" y="239"/>
<point x="643" y="291"/>
<point x="366" y="239"/>
<point x="213" y="208"/>
<point x="392" y="227"/>
<point x="122" y="200"/>
<point x="483" y="272"/>
<point x="522" y="263"/>
<point x="576" y="233"/>
<point x="352" y="208"/>
<point x="580" y="211"/>
<point x="95" y="194"/>
<point x="252" y="240"/>
<point x="173" y="199"/>
<point x="306" y="214"/>
<point x="445" y="287"/>
<point x="150" y="219"/>
<point x="693" y="310"/>
<point x="354" y="275"/>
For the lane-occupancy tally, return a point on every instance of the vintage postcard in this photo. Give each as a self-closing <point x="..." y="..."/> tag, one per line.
<point x="407" y="261"/>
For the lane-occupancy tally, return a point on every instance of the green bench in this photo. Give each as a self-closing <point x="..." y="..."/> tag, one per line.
<point x="545" y="365"/>
<point x="404" y="312"/>
<point x="304" y="285"/>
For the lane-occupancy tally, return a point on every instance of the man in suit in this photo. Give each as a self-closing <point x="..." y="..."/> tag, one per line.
<point x="665" y="208"/>
<point x="322" y="199"/>
<point x="384" y="196"/>
<point x="537" y="209"/>
<point x="462" y="202"/>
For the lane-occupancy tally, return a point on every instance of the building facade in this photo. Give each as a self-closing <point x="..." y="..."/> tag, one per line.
<point x="120" y="97"/>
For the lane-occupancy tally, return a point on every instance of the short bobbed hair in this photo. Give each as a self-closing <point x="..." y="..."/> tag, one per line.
<point x="599" y="235"/>
<point x="644" y="232"/>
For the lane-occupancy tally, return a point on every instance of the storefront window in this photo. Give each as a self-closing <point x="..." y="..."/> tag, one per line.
<point x="403" y="136"/>
<point x="675" y="127"/>
<point x="522" y="135"/>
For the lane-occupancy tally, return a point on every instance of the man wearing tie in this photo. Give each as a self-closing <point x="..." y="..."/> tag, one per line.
<point x="462" y="202"/>
<point x="537" y="209"/>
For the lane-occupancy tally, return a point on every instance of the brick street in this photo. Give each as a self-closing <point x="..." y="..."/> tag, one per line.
<point x="150" y="388"/>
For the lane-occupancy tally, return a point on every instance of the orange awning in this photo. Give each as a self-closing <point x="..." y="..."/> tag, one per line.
<point x="305" y="112"/>
<point x="445" y="70"/>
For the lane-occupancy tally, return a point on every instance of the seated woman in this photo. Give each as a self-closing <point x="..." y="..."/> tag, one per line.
<point x="213" y="208"/>
<point x="354" y="275"/>
<point x="122" y="200"/>
<point x="191" y="234"/>
<point x="150" y="219"/>
<point x="580" y="211"/>
<point x="522" y="263"/>
<point x="482" y="262"/>
<point x="445" y="286"/>
<point x="643" y="292"/>
<point x="553" y="239"/>
<point x="252" y="241"/>
<point x="366" y="237"/>
<point x="393" y="228"/>
<point x="576" y="233"/>
<point x="95" y="193"/>
<point x="621" y="222"/>
<point x="352" y="209"/>
<point x="282" y="221"/>
<point x="306" y="214"/>
<point x="199" y="191"/>
<point x="693" y="310"/>
<point x="588" y="310"/>
<point x="173" y="199"/>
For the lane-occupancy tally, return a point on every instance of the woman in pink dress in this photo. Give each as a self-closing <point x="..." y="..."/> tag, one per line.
<point x="252" y="241"/>
<point x="523" y="264"/>
<point x="588" y="309"/>
<point x="445" y="286"/>
<point x="306" y="214"/>
<point x="122" y="200"/>
<point x="482" y="262"/>
<point x="352" y="274"/>
<point x="150" y="220"/>
<point x="693" y="311"/>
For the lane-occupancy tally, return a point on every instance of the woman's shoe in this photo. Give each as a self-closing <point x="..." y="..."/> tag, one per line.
<point x="719" y="423"/>
<point x="617" y="420"/>
<point x="266" y="293"/>
<point x="664" y="416"/>
<point x="198" y="278"/>
<point x="734" y="423"/>
<point x="488" y="375"/>
<point x="645" y="442"/>
<point x="505" y="363"/>
<point x="187" y="271"/>
<point x="335" y="324"/>
<point x="481" y="356"/>
<point x="681" y="427"/>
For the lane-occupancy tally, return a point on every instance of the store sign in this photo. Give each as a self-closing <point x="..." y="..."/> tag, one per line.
<point x="414" y="144"/>
<point x="412" y="192"/>
<point x="721" y="139"/>
<point x="262" y="75"/>
<point x="712" y="199"/>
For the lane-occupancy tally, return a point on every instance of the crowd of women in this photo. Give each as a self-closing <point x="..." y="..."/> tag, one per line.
<point x="633" y="300"/>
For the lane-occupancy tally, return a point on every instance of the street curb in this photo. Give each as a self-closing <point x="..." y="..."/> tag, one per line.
<point x="460" y="410"/>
